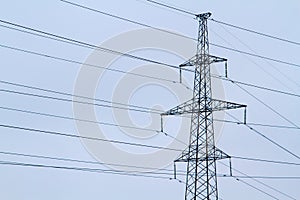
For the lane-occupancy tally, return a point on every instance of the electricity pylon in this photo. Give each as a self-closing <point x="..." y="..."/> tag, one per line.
<point x="202" y="154"/>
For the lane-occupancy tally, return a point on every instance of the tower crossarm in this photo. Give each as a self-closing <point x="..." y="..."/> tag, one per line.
<point x="215" y="154"/>
<point x="201" y="154"/>
<point x="184" y="108"/>
<point x="189" y="106"/>
<point x="219" y="105"/>
<point x="196" y="60"/>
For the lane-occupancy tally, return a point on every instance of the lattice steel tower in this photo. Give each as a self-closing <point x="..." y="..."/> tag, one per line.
<point x="202" y="154"/>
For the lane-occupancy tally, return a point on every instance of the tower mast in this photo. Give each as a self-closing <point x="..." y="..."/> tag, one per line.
<point x="201" y="154"/>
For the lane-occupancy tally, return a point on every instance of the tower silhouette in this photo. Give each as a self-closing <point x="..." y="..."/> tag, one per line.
<point x="201" y="154"/>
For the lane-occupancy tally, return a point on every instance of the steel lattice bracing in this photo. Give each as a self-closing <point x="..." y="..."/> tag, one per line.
<point x="201" y="154"/>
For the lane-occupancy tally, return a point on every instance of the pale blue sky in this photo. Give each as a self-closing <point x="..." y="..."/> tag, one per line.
<point x="279" y="18"/>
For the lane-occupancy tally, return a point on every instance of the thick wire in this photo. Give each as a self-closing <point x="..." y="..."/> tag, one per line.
<point x="142" y="75"/>
<point x="75" y="101"/>
<point x="87" y="45"/>
<point x="265" y="137"/>
<point x="46" y="132"/>
<point x="135" y="108"/>
<point x="259" y="182"/>
<point x="84" y="169"/>
<point x="225" y="23"/>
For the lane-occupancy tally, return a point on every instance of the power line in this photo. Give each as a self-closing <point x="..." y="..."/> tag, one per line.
<point x="257" y="86"/>
<point x="124" y="19"/>
<point x="56" y="133"/>
<point x="75" y="101"/>
<point x="142" y="75"/>
<point x="270" y="64"/>
<point x="264" y="177"/>
<point x="251" y="59"/>
<point x="266" y="105"/>
<point x="257" y="181"/>
<point x="115" y="172"/>
<point x="46" y="132"/>
<point x="77" y="161"/>
<point x="76" y="119"/>
<point x="91" y="46"/>
<point x="109" y="124"/>
<point x="171" y="7"/>
<point x="256" y="32"/>
<point x="95" y="170"/>
<point x="135" y="107"/>
<point x="267" y="138"/>
<point x="115" y="125"/>
<point x="259" y="124"/>
<point x="123" y="165"/>
<point x="84" y="64"/>
<point x="159" y="29"/>
<point x="225" y="23"/>
<point x="267" y="161"/>
<point x="90" y="121"/>
<point x="257" y="55"/>
<point x="84" y="44"/>
<point x="84" y="161"/>
<point x="233" y="49"/>
<point x="256" y="188"/>
<point x="154" y="171"/>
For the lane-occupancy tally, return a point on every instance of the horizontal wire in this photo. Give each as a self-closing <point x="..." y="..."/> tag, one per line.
<point x="266" y="105"/>
<point x="143" y="109"/>
<point x="137" y="128"/>
<point x="76" y="119"/>
<point x="153" y="170"/>
<point x="265" y="160"/>
<point x="46" y="132"/>
<point x="154" y="77"/>
<point x="280" y="146"/>
<point x="258" y="181"/>
<point x="225" y="23"/>
<point x="265" y="137"/>
<point x="256" y="32"/>
<point x="258" y="124"/>
<point x="256" y="55"/>
<point x="144" y="129"/>
<point x="90" y="121"/>
<point x="263" y="177"/>
<point x="75" y="101"/>
<point x="95" y="170"/>
<point x="267" y="62"/>
<point x="125" y="19"/>
<point x="62" y="134"/>
<point x="85" y="64"/>
<point x="171" y="7"/>
<point x="256" y="188"/>
<point x="87" y="45"/>
<point x="141" y="75"/>
<point x="82" y="161"/>
<point x="256" y="86"/>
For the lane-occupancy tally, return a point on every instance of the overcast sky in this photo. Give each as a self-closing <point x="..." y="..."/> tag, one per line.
<point x="278" y="18"/>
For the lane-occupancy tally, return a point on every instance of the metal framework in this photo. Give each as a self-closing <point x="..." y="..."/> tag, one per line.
<point x="201" y="154"/>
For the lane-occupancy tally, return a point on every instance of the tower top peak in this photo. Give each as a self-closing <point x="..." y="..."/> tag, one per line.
<point x="203" y="15"/>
